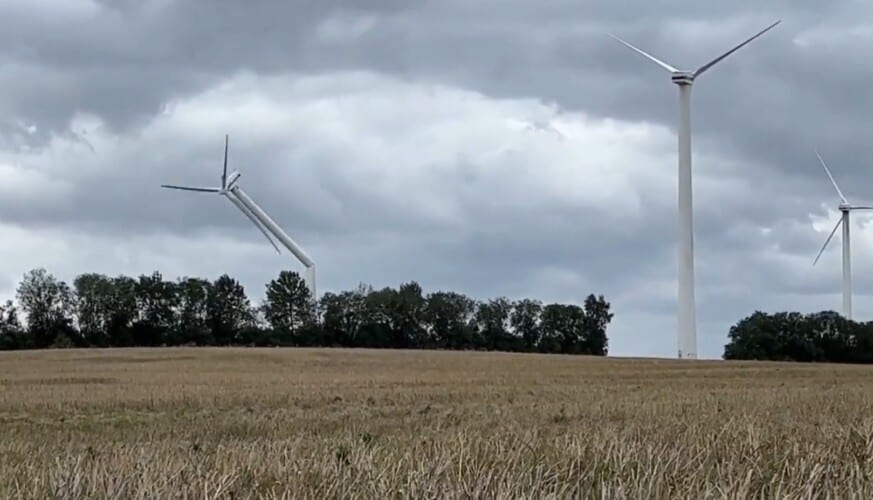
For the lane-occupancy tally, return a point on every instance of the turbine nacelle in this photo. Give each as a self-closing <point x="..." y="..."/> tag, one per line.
<point x="232" y="179"/>
<point x="682" y="77"/>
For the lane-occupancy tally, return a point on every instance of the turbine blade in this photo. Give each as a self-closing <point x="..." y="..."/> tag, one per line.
<point x="646" y="55"/>
<point x="186" y="188"/>
<point x="831" y="177"/>
<point x="252" y="218"/>
<point x="860" y="207"/>
<point x="827" y="241"/>
<point x="224" y="173"/>
<point x="718" y="59"/>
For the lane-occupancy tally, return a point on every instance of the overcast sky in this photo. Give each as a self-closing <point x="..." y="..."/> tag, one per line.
<point x="390" y="139"/>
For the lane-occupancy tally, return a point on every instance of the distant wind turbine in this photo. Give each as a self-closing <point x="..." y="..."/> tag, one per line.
<point x="687" y="321"/>
<point x="845" y="208"/>
<point x="233" y="192"/>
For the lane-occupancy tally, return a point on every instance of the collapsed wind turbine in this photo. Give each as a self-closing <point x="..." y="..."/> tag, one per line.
<point x="687" y="321"/>
<point x="845" y="208"/>
<point x="232" y="191"/>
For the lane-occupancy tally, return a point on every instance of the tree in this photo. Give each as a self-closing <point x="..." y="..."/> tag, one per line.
<point x="828" y="336"/>
<point x="563" y="328"/>
<point x="378" y="321"/>
<point x="862" y="344"/>
<point x="10" y="327"/>
<point x="193" y="317"/>
<point x="121" y="311"/>
<point x="288" y="308"/>
<point x="597" y="317"/>
<point x="492" y="322"/>
<point x="92" y="299"/>
<point x="48" y="304"/>
<point x="343" y="316"/>
<point x="792" y="336"/>
<point x="525" y="321"/>
<point x="150" y="311"/>
<point x="107" y="309"/>
<point x="228" y="310"/>
<point x="448" y="317"/>
<point x="391" y="318"/>
<point x="761" y="336"/>
<point x="407" y="313"/>
<point x="156" y="302"/>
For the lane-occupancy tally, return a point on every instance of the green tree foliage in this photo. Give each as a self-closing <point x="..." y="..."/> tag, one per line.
<point x="407" y="313"/>
<point x="193" y="313"/>
<point x="10" y="327"/>
<point x="151" y="311"/>
<point x="525" y="321"/>
<point x="48" y="304"/>
<point x="791" y="336"/>
<point x="121" y="312"/>
<point x="157" y="304"/>
<point x="377" y="320"/>
<point x="288" y="308"/>
<point x="343" y="316"/>
<point x="597" y="318"/>
<point x="563" y="328"/>
<point x="107" y="308"/>
<point x="228" y="310"/>
<point x="493" y="324"/>
<point x="92" y="297"/>
<point x="448" y="317"/>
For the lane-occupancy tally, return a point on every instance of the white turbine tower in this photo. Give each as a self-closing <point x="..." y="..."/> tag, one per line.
<point x="845" y="208"/>
<point x="232" y="191"/>
<point x="687" y="320"/>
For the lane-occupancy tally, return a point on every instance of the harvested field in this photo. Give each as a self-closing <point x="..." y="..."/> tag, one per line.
<point x="321" y="423"/>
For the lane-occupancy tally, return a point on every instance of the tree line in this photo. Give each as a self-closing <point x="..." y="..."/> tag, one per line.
<point x="102" y="311"/>
<point x="791" y="336"/>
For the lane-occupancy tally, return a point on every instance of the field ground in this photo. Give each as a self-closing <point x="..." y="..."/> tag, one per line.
<point x="320" y="423"/>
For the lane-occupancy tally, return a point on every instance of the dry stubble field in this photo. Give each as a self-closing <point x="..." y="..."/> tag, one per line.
<point x="298" y="423"/>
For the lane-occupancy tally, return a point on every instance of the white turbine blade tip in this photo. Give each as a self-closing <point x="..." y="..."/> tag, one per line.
<point x="831" y="177"/>
<point x="720" y="58"/>
<point x="645" y="54"/>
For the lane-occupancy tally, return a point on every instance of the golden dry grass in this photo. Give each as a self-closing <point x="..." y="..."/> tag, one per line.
<point x="283" y="423"/>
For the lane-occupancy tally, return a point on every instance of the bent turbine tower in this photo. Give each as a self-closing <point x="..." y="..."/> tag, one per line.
<point x="231" y="189"/>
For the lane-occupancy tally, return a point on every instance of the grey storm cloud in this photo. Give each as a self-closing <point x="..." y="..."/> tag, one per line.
<point x="376" y="132"/>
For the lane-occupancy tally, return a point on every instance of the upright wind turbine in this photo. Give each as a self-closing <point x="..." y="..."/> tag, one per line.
<point x="232" y="191"/>
<point x="845" y="208"/>
<point x="684" y="79"/>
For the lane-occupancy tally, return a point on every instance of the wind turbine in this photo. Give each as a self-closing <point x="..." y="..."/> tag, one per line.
<point x="232" y="191"/>
<point x="845" y="208"/>
<point x="687" y="335"/>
